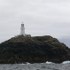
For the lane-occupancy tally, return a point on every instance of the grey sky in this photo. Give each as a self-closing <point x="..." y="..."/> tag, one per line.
<point x="41" y="17"/>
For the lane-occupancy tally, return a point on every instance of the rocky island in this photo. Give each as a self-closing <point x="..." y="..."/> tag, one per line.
<point x="37" y="49"/>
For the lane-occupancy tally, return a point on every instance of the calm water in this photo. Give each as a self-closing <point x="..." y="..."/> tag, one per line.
<point x="41" y="66"/>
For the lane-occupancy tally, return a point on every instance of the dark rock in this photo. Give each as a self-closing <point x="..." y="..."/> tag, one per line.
<point x="22" y="49"/>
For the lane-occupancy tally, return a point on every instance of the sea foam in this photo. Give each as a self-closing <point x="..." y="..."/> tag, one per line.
<point x="66" y="62"/>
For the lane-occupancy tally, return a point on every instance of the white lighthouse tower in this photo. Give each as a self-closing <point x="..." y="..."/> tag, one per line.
<point x="22" y="29"/>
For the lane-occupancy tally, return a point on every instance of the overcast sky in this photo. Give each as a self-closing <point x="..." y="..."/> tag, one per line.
<point x="41" y="17"/>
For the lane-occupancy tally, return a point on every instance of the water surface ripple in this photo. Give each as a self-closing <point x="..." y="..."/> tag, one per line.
<point x="40" y="66"/>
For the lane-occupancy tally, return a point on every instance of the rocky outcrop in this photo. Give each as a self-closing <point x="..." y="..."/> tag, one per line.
<point x="22" y="49"/>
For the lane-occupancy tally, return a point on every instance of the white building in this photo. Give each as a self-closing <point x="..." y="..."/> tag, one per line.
<point x="22" y="29"/>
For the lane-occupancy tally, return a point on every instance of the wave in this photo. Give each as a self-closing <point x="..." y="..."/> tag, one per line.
<point x="49" y="62"/>
<point x="27" y="63"/>
<point x="66" y="62"/>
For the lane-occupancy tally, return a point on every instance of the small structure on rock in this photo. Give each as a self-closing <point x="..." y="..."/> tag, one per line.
<point x="22" y="33"/>
<point x="22" y="29"/>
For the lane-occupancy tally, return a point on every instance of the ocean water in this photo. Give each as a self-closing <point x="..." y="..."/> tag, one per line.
<point x="36" y="66"/>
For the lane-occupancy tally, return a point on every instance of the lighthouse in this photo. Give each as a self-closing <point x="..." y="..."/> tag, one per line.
<point x="22" y="29"/>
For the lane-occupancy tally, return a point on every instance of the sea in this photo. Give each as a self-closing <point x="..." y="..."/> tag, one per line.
<point x="36" y="66"/>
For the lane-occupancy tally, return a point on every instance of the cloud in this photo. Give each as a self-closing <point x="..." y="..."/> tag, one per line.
<point x="65" y="40"/>
<point x="41" y="17"/>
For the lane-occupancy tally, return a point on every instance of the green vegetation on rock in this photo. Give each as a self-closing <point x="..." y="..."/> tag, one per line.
<point x="22" y="49"/>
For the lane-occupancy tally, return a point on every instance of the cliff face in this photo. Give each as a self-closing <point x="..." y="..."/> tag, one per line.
<point x="37" y="49"/>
